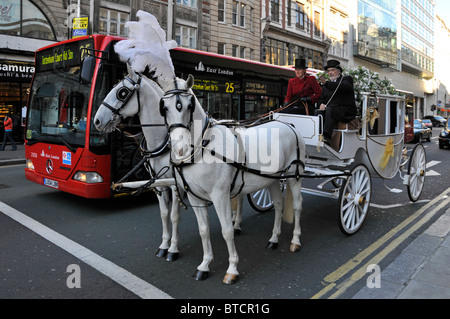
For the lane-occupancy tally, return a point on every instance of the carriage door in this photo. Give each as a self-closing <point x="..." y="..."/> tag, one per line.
<point x="385" y="132"/>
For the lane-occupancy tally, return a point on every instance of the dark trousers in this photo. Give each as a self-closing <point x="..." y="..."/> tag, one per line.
<point x="8" y="135"/>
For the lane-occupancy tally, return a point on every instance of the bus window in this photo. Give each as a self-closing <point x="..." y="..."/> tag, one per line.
<point x="256" y="105"/>
<point x="220" y="105"/>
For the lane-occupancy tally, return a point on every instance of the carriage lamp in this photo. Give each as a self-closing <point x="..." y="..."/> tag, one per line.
<point x="30" y="164"/>
<point x="88" y="177"/>
<point x="372" y="101"/>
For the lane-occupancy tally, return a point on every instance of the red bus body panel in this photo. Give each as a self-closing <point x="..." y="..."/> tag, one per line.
<point x="63" y="169"/>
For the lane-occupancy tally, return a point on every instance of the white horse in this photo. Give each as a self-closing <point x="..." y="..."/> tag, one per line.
<point x="215" y="163"/>
<point x="137" y="94"/>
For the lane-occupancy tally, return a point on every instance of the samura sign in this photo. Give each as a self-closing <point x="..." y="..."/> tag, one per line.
<point x="16" y="71"/>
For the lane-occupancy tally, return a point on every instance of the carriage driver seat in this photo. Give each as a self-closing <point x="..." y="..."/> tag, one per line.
<point x="337" y="138"/>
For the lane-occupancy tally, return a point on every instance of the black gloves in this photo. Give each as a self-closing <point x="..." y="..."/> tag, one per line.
<point x="306" y="99"/>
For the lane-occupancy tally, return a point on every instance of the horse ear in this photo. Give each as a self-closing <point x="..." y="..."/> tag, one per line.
<point x="162" y="108"/>
<point x="129" y="69"/>
<point x="190" y="81"/>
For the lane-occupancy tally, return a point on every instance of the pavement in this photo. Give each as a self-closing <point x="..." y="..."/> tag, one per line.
<point x="420" y="271"/>
<point x="8" y="157"/>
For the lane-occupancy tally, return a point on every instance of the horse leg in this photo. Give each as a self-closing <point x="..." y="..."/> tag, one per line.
<point x="173" y="253"/>
<point x="201" y="213"/>
<point x="223" y="209"/>
<point x="277" y="197"/>
<point x="297" y="206"/>
<point x="237" y="204"/>
<point x="163" y="200"/>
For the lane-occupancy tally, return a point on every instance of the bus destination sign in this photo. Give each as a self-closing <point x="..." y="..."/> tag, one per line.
<point x="62" y="56"/>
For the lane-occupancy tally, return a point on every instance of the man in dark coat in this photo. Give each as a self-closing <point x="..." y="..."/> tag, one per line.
<point x="337" y="102"/>
<point x="303" y="91"/>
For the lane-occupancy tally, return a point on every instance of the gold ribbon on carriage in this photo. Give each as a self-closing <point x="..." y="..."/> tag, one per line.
<point x="388" y="153"/>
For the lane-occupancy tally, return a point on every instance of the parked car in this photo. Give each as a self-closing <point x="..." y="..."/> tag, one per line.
<point x="428" y="123"/>
<point x="444" y="137"/>
<point x="436" y="120"/>
<point x="421" y="132"/>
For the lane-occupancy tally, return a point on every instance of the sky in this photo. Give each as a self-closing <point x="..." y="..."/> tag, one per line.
<point x="443" y="10"/>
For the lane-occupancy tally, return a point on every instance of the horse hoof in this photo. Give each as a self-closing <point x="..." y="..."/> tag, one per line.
<point x="237" y="232"/>
<point x="271" y="246"/>
<point x="201" y="275"/>
<point x="161" y="253"/>
<point x="172" y="256"/>
<point x="230" y="279"/>
<point x="295" y="248"/>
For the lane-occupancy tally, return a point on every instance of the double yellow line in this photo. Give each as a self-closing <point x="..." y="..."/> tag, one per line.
<point x="354" y="270"/>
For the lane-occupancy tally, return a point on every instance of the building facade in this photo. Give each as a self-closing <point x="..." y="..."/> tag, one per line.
<point x="395" y="38"/>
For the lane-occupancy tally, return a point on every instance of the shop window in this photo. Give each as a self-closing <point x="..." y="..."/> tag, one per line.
<point x="22" y="18"/>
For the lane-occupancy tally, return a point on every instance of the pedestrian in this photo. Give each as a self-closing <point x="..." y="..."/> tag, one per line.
<point x="8" y="123"/>
<point x="337" y="101"/>
<point x="303" y="91"/>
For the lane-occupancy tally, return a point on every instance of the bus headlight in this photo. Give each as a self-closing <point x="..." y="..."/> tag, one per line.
<point x="30" y="164"/>
<point x="88" y="177"/>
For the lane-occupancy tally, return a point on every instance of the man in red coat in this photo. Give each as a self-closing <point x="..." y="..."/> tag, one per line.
<point x="303" y="91"/>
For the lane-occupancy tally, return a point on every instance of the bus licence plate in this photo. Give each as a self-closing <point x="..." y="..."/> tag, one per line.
<point x="50" y="183"/>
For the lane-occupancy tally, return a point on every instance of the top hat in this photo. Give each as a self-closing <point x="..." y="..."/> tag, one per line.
<point x="333" y="64"/>
<point x="300" y="64"/>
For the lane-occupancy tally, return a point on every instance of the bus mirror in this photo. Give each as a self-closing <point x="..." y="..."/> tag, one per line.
<point x="87" y="69"/>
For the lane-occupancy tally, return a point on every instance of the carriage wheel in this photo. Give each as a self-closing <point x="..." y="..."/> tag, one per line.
<point x="354" y="200"/>
<point x="261" y="201"/>
<point x="416" y="172"/>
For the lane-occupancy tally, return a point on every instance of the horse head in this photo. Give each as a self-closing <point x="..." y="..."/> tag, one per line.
<point x="181" y="111"/>
<point x="121" y="102"/>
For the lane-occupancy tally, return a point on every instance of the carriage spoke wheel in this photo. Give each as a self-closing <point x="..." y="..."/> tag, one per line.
<point x="416" y="172"/>
<point x="261" y="201"/>
<point x="354" y="200"/>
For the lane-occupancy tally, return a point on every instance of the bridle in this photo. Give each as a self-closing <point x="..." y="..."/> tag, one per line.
<point x="124" y="94"/>
<point x="178" y="93"/>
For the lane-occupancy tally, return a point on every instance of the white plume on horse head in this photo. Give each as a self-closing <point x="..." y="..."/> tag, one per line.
<point x="146" y="46"/>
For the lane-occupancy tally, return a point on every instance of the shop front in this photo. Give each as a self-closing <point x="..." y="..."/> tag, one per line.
<point x="15" y="79"/>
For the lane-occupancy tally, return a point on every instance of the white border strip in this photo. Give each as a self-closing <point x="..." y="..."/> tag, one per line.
<point x="123" y="277"/>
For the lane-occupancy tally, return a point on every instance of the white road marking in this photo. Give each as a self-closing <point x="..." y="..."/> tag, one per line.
<point x="432" y="163"/>
<point x="123" y="277"/>
<point x="395" y="205"/>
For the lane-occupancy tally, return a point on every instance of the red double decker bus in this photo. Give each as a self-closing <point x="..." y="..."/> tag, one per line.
<point x="63" y="148"/>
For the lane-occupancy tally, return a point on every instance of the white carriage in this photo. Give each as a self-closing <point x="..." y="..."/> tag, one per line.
<point x="372" y="145"/>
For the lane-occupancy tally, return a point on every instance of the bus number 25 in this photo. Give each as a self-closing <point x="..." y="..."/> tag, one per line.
<point x="230" y="87"/>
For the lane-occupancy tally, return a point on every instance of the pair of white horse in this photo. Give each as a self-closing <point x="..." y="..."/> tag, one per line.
<point x="205" y="168"/>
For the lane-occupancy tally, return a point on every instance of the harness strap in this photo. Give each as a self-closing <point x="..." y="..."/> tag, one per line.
<point x="178" y="168"/>
<point x="159" y="151"/>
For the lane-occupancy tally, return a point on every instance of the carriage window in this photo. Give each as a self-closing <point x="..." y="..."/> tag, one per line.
<point x="394" y="117"/>
<point x="389" y="118"/>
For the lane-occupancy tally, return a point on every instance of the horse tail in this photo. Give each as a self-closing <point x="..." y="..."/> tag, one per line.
<point x="288" y="214"/>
